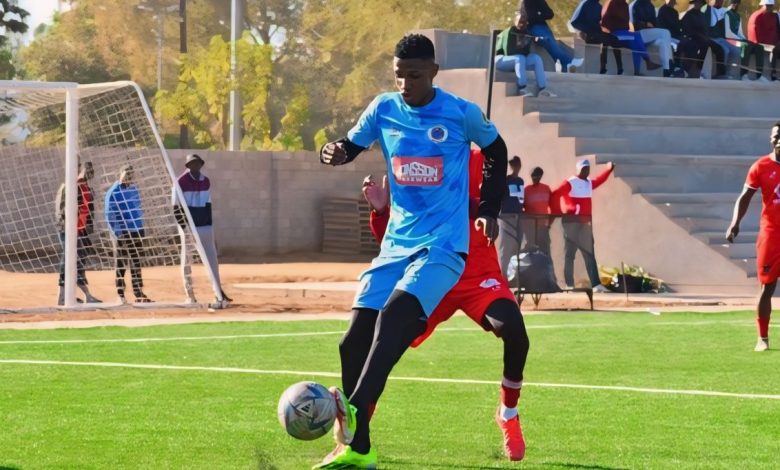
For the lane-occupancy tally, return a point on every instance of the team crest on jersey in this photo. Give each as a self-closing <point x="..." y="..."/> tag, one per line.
<point x="438" y="134"/>
<point x="489" y="283"/>
<point x="418" y="171"/>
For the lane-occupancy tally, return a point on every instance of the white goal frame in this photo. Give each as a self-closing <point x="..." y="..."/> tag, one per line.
<point x="72" y="92"/>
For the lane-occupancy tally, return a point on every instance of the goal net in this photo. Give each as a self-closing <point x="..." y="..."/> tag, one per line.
<point x="96" y="142"/>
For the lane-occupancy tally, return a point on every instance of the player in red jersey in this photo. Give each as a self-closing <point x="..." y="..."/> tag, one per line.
<point x="483" y="294"/>
<point x="764" y="175"/>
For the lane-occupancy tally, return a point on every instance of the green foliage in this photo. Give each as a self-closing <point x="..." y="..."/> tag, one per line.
<point x="12" y="20"/>
<point x="320" y="139"/>
<point x="289" y="137"/>
<point x="68" y="51"/>
<point x="201" y="98"/>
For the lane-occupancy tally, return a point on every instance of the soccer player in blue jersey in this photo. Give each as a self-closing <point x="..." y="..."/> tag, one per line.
<point x="425" y="134"/>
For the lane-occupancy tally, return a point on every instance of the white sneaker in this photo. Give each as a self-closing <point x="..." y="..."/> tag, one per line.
<point x="122" y="300"/>
<point x="190" y="300"/>
<point x="524" y="92"/>
<point x="600" y="289"/>
<point x="544" y="92"/>
<point x="574" y="64"/>
<point x="762" y="345"/>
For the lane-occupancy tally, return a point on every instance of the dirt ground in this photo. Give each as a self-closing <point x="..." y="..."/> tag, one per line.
<point x="35" y="295"/>
<point x="32" y="297"/>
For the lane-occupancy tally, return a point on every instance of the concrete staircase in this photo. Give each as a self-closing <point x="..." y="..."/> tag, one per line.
<point x="681" y="147"/>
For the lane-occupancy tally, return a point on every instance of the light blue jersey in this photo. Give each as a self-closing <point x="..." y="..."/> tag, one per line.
<point x="427" y="151"/>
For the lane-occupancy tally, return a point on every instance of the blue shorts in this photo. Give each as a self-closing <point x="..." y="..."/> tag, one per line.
<point x="427" y="274"/>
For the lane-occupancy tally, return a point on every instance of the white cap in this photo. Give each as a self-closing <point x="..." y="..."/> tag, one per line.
<point x="766" y="2"/>
<point x="583" y="163"/>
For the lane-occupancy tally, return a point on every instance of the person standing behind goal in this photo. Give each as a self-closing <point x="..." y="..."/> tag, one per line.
<point x="195" y="188"/>
<point x="125" y="219"/>
<point x="86" y="209"/>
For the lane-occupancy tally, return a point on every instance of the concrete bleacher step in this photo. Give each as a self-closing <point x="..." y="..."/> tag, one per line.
<point x="736" y="160"/>
<point x="609" y="94"/>
<point x="548" y="105"/>
<point x="666" y="173"/>
<point x="717" y="238"/>
<point x="696" y="225"/>
<point x="668" y="134"/>
<point x="590" y="145"/>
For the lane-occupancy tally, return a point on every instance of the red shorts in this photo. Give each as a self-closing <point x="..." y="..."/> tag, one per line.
<point x="472" y="296"/>
<point x="768" y="256"/>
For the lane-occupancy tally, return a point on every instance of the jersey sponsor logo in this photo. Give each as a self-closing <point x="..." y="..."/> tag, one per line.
<point x="490" y="284"/>
<point x="438" y="134"/>
<point x="394" y="132"/>
<point x="766" y="269"/>
<point x="418" y="171"/>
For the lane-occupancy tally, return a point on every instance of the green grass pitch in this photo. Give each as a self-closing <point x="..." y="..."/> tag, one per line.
<point x="89" y="416"/>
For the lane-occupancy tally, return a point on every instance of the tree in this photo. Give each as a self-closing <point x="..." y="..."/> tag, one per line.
<point x="68" y="51"/>
<point x="289" y="137"/>
<point x="12" y="20"/>
<point x="201" y="98"/>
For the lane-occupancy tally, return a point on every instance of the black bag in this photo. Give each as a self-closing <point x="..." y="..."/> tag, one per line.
<point x="535" y="273"/>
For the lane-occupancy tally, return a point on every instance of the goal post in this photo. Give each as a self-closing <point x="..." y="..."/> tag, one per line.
<point x="51" y="135"/>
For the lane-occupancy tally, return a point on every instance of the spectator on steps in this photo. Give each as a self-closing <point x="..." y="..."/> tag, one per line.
<point x="645" y="22"/>
<point x="716" y="14"/>
<point x="577" y="193"/>
<point x="615" y="20"/>
<point x="513" y="54"/>
<point x="586" y="19"/>
<point x="764" y="28"/>
<point x="538" y="13"/>
<point x="696" y="33"/>
<point x="669" y="19"/>
<point x="747" y="48"/>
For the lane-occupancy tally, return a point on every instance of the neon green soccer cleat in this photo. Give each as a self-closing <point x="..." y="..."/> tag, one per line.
<point x="348" y="458"/>
<point x="346" y="419"/>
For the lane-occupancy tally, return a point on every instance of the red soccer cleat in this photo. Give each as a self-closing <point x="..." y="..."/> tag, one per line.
<point x="514" y="443"/>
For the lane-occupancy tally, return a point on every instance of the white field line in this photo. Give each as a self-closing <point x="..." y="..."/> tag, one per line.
<point x="236" y="370"/>
<point x="340" y="332"/>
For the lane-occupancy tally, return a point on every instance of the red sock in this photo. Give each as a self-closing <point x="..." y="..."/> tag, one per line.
<point x="763" y="326"/>
<point x="510" y="393"/>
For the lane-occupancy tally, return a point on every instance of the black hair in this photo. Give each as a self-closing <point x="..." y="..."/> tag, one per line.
<point x="777" y="124"/>
<point x="415" y="46"/>
<point x="537" y="171"/>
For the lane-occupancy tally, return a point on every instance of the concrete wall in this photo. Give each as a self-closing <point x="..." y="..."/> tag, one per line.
<point x="270" y="202"/>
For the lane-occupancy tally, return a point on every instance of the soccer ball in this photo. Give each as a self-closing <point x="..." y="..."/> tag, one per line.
<point x="307" y="410"/>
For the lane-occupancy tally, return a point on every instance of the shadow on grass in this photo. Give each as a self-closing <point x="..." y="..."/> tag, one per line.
<point x="263" y="461"/>
<point x="487" y="467"/>
<point x="580" y="466"/>
<point x="3" y="467"/>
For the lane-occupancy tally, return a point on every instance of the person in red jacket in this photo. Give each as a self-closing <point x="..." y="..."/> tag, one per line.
<point x="537" y="212"/>
<point x="577" y="210"/>
<point x="86" y="209"/>
<point x="764" y="28"/>
<point x="483" y="294"/>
